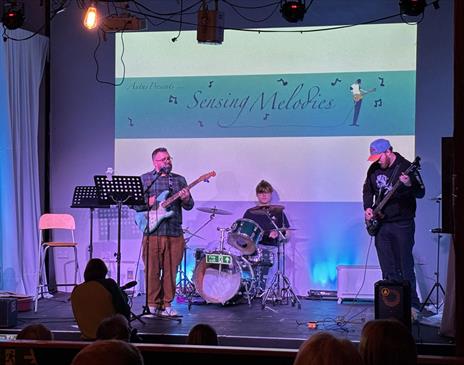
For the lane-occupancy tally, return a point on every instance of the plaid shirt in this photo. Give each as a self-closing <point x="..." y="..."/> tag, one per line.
<point x="171" y="226"/>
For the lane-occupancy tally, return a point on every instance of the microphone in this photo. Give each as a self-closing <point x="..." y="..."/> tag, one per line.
<point x="129" y="285"/>
<point x="109" y="173"/>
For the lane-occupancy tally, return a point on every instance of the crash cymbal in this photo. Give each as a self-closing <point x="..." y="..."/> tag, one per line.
<point x="214" y="211"/>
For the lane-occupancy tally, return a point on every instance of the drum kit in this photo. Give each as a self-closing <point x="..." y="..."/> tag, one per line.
<point x="230" y="276"/>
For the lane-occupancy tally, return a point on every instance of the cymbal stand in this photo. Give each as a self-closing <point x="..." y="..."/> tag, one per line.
<point x="185" y="286"/>
<point x="276" y="292"/>
<point x="223" y="237"/>
<point x="437" y="285"/>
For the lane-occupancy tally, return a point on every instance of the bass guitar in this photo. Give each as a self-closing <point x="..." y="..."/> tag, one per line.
<point x="158" y="211"/>
<point x="373" y="224"/>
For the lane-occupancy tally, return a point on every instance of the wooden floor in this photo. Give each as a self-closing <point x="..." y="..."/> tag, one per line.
<point x="275" y="326"/>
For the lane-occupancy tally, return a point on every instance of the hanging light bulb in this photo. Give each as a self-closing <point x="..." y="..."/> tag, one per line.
<point x="90" y="18"/>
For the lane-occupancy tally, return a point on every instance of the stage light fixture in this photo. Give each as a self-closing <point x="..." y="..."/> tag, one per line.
<point x="90" y="17"/>
<point x="412" y="7"/>
<point x="293" y="11"/>
<point x="210" y="25"/>
<point x="13" y="15"/>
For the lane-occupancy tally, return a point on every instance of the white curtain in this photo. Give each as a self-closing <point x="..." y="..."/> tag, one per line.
<point x="22" y="67"/>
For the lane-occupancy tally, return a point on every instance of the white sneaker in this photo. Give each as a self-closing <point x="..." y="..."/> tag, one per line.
<point x="152" y="310"/>
<point x="169" y="312"/>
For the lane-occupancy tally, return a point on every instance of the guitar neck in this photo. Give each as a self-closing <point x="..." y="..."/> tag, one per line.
<point x="174" y="197"/>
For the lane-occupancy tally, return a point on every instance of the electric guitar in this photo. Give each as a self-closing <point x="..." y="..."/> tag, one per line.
<point x="357" y="97"/>
<point x="158" y="211"/>
<point x="373" y="225"/>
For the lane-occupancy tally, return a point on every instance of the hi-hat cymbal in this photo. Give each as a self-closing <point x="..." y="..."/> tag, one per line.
<point x="214" y="211"/>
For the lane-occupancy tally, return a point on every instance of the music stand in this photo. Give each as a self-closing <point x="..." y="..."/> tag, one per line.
<point x="120" y="190"/>
<point x="86" y="197"/>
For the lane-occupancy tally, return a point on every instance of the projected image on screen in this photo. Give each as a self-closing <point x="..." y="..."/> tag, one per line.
<point x="296" y="109"/>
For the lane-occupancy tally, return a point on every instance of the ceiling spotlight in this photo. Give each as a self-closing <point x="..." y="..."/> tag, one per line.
<point x="293" y="11"/>
<point x="412" y="7"/>
<point x="13" y="15"/>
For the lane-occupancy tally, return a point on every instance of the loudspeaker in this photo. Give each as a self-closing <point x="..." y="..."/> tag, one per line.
<point x="8" y="312"/>
<point x="447" y="188"/>
<point x="393" y="300"/>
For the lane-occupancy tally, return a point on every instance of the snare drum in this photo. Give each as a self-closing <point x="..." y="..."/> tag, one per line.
<point x="244" y="235"/>
<point x="262" y="257"/>
<point x="220" y="277"/>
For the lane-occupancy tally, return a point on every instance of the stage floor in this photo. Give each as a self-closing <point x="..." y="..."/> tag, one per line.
<point x="275" y="326"/>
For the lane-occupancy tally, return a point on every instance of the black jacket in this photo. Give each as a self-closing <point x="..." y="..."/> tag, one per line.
<point x="402" y="204"/>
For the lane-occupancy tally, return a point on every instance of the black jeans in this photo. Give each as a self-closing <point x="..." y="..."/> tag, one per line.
<point x="394" y="242"/>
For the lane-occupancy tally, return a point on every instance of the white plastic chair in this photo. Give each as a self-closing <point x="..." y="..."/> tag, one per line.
<point x="49" y="222"/>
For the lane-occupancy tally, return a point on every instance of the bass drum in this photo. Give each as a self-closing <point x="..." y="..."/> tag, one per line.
<point x="224" y="283"/>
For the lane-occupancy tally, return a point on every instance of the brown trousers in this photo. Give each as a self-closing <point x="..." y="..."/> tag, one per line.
<point x="165" y="254"/>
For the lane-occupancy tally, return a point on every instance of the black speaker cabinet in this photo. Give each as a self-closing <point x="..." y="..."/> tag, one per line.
<point x="8" y="312"/>
<point x="393" y="300"/>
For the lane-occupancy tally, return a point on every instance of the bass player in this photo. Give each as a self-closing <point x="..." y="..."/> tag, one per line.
<point x="394" y="239"/>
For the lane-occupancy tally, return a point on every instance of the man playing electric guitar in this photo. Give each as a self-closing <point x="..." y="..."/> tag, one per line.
<point x="358" y="94"/>
<point x="166" y="242"/>
<point x="394" y="239"/>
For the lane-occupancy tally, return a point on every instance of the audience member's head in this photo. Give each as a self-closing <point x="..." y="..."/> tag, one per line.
<point x="35" y="332"/>
<point x="325" y="349"/>
<point x="95" y="270"/>
<point x="111" y="352"/>
<point x="202" y="334"/>
<point x="387" y="342"/>
<point x="114" y="328"/>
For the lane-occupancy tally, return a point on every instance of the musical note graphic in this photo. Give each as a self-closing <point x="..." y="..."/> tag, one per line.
<point x="200" y="123"/>
<point x="282" y="81"/>
<point x="210" y="83"/>
<point x="173" y="99"/>
<point x="381" y="81"/>
<point x="131" y="122"/>
<point x="333" y="83"/>
<point x="265" y="117"/>
<point x="377" y="103"/>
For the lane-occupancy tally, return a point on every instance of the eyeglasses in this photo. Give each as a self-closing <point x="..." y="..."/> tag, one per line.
<point x="169" y="158"/>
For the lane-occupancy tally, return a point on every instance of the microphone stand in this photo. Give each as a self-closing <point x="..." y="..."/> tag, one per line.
<point x="146" y="309"/>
